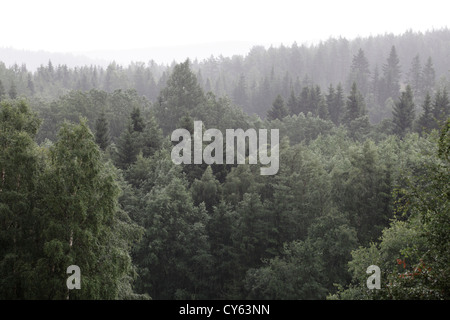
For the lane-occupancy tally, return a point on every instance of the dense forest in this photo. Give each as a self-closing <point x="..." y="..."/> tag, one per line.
<point x="87" y="177"/>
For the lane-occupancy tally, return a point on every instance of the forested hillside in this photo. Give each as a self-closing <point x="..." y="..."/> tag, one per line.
<point x="87" y="179"/>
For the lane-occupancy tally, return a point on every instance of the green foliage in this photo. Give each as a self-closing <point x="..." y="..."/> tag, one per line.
<point x="181" y="95"/>
<point x="403" y="113"/>
<point x="102" y="137"/>
<point x="279" y="110"/>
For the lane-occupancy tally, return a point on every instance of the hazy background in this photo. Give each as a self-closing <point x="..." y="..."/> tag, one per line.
<point x="165" y="31"/>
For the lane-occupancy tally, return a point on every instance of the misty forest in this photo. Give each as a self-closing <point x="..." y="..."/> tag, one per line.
<point x="86" y="176"/>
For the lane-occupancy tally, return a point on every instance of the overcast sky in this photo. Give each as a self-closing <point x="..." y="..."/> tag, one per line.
<point x="90" y="25"/>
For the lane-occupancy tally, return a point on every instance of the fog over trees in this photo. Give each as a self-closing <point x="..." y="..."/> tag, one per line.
<point x="87" y="179"/>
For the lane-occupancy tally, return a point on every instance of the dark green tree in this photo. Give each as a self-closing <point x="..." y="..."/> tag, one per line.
<point x="355" y="106"/>
<point x="426" y="121"/>
<point x="127" y="147"/>
<point x="179" y="98"/>
<point x="102" y="136"/>
<point x="78" y="207"/>
<point x="441" y="106"/>
<point x="279" y="110"/>
<point x="19" y="175"/>
<point x="292" y="104"/>
<point x="403" y="113"/>
<point x="136" y="120"/>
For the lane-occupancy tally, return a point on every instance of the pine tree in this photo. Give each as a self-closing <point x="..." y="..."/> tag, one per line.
<point x="278" y="111"/>
<point x="403" y="112"/>
<point x="102" y="136"/>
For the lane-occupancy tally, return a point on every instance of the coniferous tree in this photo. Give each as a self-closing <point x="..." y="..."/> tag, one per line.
<point x="292" y="104"/>
<point x="137" y="120"/>
<point x="428" y="76"/>
<point x="151" y="139"/>
<point x="13" y="91"/>
<point x="30" y="84"/>
<point x="375" y="86"/>
<point x="441" y="106"/>
<point x="336" y="103"/>
<point x="127" y="150"/>
<point x="102" y="135"/>
<point x="359" y="72"/>
<point x="304" y="100"/>
<point x="240" y="95"/>
<point x="2" y="91"/>
<point x="414" y="76"/>
<point x="426" y="121"/>
<point x="403" y="113"/>
<point x="181" y="95"/>
<point x="278" y="111"/>
<point x="391" y="76"/>
<point x="354" y="107"/>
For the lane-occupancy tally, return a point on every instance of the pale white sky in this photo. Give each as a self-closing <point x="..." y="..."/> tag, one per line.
<point x="89" y="25"/>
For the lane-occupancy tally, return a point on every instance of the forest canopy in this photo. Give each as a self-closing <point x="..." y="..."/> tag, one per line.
<point x="87" y="179"/>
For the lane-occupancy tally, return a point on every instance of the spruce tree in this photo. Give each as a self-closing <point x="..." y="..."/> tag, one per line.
<point x="354" y="107"/>
<point x="292" y="104"/>
<point x="441" y="106"/>
<point x="102" y="136"/>
<point x="278" y="111"/>
<point x="336" y="103"/>
<point x="127" y="150"/>
<point x="181" y="95"/>
<point x="414" y="76"/>
<point x="2" y="91"/>
<point x="391" y="76"/>
<point x="137" y="120"/>
<point x="403" y="112"/>
<point x="428" y="76"/>
<point x="426" y="121"/>
<point x="360" y="72"/>
<point x="13" y="91"/>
